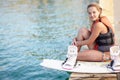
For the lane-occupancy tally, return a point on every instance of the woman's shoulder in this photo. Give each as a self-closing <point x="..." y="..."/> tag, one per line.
<point x="98" y="24"/>
<point x="103" y="19"/>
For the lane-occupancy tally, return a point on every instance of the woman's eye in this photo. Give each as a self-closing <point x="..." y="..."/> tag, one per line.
<point x="89" y="13"/>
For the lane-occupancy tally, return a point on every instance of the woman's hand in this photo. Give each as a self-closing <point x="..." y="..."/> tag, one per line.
<point x="74" y="41"/>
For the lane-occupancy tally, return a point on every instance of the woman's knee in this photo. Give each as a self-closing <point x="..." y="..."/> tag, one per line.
<point x="82" y="30"/>
<point x="83" y="33"/>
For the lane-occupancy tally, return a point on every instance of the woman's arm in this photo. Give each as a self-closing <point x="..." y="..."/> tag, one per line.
<point x="94" y="34"/>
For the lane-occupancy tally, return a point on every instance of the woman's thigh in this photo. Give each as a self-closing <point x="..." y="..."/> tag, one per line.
<point x="90" y="55"/>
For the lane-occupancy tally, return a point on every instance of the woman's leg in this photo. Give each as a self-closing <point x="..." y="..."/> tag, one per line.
<point x="93" y="55"/>
<point x="90" y="55"/>
<point x="83" y="34"/>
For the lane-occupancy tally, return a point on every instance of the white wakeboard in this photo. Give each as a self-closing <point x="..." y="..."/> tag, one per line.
<point x="81" y="67"/>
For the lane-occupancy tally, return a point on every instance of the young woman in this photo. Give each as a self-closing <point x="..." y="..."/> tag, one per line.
<point x="99" y="38"/>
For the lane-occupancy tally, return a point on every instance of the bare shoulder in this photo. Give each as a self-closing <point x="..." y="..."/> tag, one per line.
<point x="104" y="17"/>
<point x="105" y="20"/>
<point x="99" y="25"/>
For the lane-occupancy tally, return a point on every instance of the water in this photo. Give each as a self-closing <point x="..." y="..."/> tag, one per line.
<point x="31" y="30"/>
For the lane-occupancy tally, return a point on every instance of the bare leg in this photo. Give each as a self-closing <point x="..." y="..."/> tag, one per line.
<point x="90" y="55"/>
<point x="93" y="55"/>
<point x="83" y="34"/>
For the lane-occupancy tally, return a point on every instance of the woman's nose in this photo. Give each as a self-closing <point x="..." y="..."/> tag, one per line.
<point x="91" y="15"/>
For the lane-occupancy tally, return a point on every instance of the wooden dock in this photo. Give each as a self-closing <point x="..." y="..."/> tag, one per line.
<point x="93" y="76"/>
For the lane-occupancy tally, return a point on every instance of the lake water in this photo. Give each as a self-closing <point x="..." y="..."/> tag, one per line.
<point x="32" y="30"/>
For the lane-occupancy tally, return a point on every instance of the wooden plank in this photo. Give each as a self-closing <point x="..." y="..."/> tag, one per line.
<point x="118" y="76"/>
<point x="86" y="76"/>
<point x="93" y="79"/>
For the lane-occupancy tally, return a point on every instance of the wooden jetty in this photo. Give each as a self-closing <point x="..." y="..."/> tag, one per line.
<point x="94" y="76"/>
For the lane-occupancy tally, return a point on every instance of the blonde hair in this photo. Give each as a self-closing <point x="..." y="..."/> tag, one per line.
<point x="96" y="6"/>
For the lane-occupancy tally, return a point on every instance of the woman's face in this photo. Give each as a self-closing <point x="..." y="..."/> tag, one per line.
<point x="93" y="13"/>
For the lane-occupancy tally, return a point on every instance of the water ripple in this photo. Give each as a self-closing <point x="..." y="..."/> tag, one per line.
<point x="32" y="30"/>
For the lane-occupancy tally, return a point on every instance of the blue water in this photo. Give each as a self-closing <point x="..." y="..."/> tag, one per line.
<point x="32" y="30"/>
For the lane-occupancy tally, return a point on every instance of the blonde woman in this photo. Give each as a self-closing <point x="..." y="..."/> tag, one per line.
<point x="99" y="38"/>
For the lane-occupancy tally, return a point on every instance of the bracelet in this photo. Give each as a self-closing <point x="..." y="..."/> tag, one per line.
<point x="104" y="57"/>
